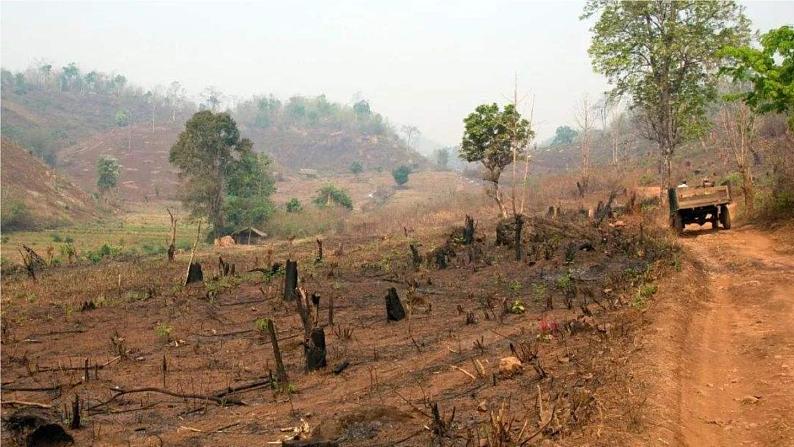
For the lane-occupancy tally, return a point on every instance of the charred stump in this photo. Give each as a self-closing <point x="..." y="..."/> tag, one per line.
<point x="290" y="280"/>
<point x="394" y="308"/>
<point x="468" y="231"/>
<point x="517" y="227"/>
<point x="319" y="258"/>
<point x="416" y="258"/>
<point x="194" y="273"/>
<point x="314" y="348"/>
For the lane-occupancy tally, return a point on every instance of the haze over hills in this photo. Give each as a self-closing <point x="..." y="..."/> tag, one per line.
<point x="70" y="119"/>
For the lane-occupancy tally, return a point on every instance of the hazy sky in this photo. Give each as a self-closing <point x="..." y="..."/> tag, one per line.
<point x="417" y="62"/>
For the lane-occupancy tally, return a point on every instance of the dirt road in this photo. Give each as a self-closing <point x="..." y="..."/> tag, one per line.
<point x="736" y="376"/>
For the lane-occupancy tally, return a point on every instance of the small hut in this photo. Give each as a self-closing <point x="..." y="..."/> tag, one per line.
<point x="249" y="236"/>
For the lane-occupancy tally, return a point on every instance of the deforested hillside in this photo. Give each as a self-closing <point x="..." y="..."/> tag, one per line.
<point x="46" y="109"/>
<point x="36" y="196"/>
<point x="314" y="133"/>
<point x="142" y="153"/>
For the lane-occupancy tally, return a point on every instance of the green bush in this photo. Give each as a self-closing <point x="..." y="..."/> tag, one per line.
<point x="294" y="205"/>
<point x="356" y="167"/>
<point x="331" y="195"/>
<point x="401" y="174"/>
<point x="56" y="237"/>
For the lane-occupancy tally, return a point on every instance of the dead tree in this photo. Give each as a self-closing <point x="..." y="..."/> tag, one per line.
<point x="394" y="308"/>
<point x="290" y="280"/>
<point x="319" y="251"/>
<point x="172" y="245"/>
<point x="606" y="210"/>
<point x="32" y="260"/>
<point x="281" y="373"/>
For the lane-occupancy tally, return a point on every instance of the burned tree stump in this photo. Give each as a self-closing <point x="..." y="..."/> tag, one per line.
<point x="468" y="231"/>
<point x="319" y="258"/>
<point x="194" y="273"/>
<point x="519" y="224"/>
<point x="314" y="348"/>
<point x="394" y="308"/>
<point x="416" y="258"/>
<point x="281" y="372"/>
<point x="441" y="259"/>
<point x="290" y="280"/>
<point x="505" y="233"/>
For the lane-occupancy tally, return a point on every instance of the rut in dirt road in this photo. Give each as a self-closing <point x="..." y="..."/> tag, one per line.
<point x="737" y="384"/>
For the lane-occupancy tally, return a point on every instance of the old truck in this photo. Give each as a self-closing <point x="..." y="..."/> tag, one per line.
<point x="699" y="205"/>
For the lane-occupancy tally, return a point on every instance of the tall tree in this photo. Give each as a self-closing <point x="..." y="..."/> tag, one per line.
<point x="770" y="71"/>
<point x="108" y="170"/>
<point x="563" y="135"/>
<point x="584" y="118"/>
<point x="662" y="54"/>
<point x="736" y="133"/>
<point x="442" y="158"/>
<point x="206" y="153"/>
<point x="495" y="138"/>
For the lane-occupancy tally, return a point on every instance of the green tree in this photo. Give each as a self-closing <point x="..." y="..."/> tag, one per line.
<point x="122" y="118"/>
<point x="442" y="158"/>
<point x="107" y="172"/>
<point x="662" y="54"/>
<point x="401" y="174"/>
<point x="294" y="205"/>
<point x="770" y="71"/>
<point x="563" y="135"/>
<point x="206" y="154"/>
<point x="362" y="109"/>
<point x="356" y="167"/>
<point x="249" y="185"/>
<point x="329" y="195"/>
<point x="494" y="137"/>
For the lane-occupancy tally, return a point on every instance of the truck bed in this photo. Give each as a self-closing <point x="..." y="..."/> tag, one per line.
<point x="698" y="197"/>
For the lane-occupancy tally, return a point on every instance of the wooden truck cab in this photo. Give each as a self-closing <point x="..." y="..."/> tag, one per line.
<point x="699" y="205"/>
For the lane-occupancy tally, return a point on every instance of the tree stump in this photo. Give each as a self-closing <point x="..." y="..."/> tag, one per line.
<point x="468" y="231"/>
<point x="314" y="348"/>
<point x="291" y="280"/>
<point x="194" y="273"/>
<point x="394" y="308"/>
<point x="416" y="258"/>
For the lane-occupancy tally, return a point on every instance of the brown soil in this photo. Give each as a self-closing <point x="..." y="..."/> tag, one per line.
<point x="396" y="368"/>
<point x="721" y="345"/>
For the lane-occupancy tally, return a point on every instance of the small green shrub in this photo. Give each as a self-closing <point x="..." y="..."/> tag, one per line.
<point x="356" y="167"/>
<point x="68" y="239"/>
<point x="294" y="205"/>
<point x="331" y="195"/>
<point x="401" y="174"/>
<point x="261" y="325"/>
<point x="56" y="237"/>
<point x="644" y="293"/>
<point x="163" y="331"/>
<point x="517" y="307"/>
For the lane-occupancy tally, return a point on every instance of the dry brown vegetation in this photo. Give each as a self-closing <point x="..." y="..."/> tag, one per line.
<point x="161" y="358"/>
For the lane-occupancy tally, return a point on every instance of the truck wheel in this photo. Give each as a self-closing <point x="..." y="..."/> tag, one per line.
<point x="725" y="217"/>
<point x="677" y="223"/>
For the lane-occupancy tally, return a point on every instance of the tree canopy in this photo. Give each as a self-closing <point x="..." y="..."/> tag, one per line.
<point x="108" y="171"/>
<point x="769" y="70"/>
<point x="663" y="56"/>
<point x="495" y="138"/>
<point x="330" y="195"/>
<point x="214" y="161"/>
<point x="563" y="135"/>
<point x="401" y="174"/>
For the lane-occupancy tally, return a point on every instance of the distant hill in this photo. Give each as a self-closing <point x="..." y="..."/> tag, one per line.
<point x="142" y="152"/>
<point x="36" y="196"/>
<point x="70" y="118"/>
